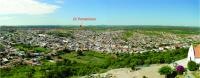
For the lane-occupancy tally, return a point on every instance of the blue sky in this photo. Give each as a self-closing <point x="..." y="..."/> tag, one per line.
<point x="106" y="12"/>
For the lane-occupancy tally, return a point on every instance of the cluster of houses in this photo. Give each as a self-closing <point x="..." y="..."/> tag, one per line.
<point x="103" y="41"/>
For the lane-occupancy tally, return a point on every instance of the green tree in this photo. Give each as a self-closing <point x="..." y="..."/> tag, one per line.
<point x="2" y="48"/>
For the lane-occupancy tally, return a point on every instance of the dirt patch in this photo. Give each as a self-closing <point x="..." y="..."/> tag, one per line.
<point x="150" y="72"/>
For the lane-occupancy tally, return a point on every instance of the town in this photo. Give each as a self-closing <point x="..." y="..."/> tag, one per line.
<point x="16" y="46"/>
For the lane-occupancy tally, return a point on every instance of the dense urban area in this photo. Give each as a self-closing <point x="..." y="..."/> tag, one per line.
<point x="71" y="52"/>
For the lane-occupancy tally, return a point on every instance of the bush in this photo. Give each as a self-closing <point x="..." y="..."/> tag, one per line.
<point x="79" y="53"/>
<point x="165" y="70"/>
<point x="66" y="50"/>
<point x="192" y="66"/>
<point x="133" y="67"/>
<point x="144" y="77"/>
<point x="147" y="61"/>
<point x="180" y="69"/>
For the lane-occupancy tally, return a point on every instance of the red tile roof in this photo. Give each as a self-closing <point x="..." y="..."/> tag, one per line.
<point x="197" y="51"/>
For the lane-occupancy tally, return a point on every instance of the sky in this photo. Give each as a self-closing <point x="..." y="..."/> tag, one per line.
<point x="106" y="12"/>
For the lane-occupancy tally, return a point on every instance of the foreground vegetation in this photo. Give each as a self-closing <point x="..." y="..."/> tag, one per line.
<point x="70" y="63"/>
<point x="29" y="48"/>
<point x="179" y="71"/>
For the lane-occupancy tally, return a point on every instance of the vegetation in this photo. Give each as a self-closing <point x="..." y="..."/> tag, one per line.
<point x="1" y="47"/>
<point x="180" y="76"/>
<point x="180" y="69"/>
<point x="127" y="34"/>
<point x="61" y="33"/>
<point x="39" y="49"/>
<point x="196" y="74"/>
<point x="168" y="71"/>
<point x="89" y="62"/>
<point x="165" y="70"/>
<point x="133" y="67"/>
<point x="144" y="77"/>
<point x="27" y="48"/>
<point x="192" y="66"/>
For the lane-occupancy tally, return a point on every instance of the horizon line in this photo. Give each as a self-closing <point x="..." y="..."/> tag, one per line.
<point x="100" y="25"/>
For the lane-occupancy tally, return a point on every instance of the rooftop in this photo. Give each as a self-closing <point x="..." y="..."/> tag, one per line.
<point x="197" y="51"/>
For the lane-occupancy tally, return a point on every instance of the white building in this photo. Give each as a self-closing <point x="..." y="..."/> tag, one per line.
<point x="194" y="54"/>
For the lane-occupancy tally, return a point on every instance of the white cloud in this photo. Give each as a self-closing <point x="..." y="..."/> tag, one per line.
<point x="4" y="18"/>
<point x="29" y="7"/>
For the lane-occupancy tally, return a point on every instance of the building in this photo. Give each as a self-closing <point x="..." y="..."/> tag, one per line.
<point x="194" y="54"/>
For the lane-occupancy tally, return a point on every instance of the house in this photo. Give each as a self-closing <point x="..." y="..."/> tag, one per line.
<point x="194" y="54"/>
<point x="41" y="35"/>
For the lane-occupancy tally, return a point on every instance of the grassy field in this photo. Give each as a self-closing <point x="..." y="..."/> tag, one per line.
<point x="196" y="74"/>
<point x="28" y="48"/>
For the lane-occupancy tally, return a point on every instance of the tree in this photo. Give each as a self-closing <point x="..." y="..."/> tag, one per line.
<point x="2" y="48"/>
<point x="165" y="70"/>
<point x="192" y="66"/>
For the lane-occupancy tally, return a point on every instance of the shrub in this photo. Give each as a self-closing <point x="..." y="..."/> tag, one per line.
<point x="133" y="67"/>
<point x="144" y="77"/>
<point x="180" y="69"/>
<point x="79" y="53"/>
<point x="147" y="61"/>
<point x="165" y="70"/>
<point x="192" y="66"/>
<point x="66" y="50"/>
